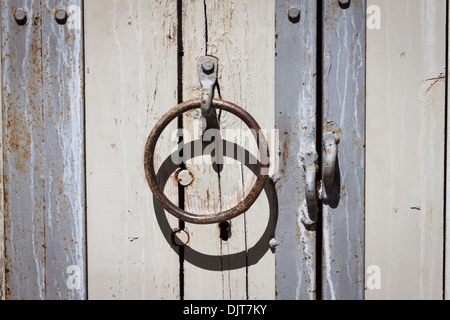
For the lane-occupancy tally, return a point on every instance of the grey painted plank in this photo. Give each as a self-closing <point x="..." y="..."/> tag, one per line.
<point x="295" y="117"/>
<point x="23" y="153"/>
<point x="63" y="122"/>
<point x="2" y="221"/>
<point x="43" y="152"/>
<point x="344" y="104"/>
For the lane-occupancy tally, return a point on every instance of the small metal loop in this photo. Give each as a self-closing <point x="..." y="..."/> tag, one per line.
<point x="242" y="206"/>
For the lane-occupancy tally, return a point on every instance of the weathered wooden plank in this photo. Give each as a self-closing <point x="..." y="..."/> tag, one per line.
<point x="202" y="280"/>
<point x="64" y="170"/>
<point x="405" y="150"/>
<point x="447" y="196"/>
<point x="343" y="102"/>
<point x="23" y="153"/>
<point x="248" y="77"/>
<point x="43" y="129"/>
<point x="295" y="117"/>
<point x="131" y="81"/>
<point x="2" y="220"/>
<point x="240" y="267"/>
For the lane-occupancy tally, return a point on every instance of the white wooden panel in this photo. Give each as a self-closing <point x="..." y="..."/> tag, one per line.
<point x="405" y="149"/>
<point x="202" y="280"/>
<point x="447" y="196"/>
<point x="241" y="35"/>
<point x="131" y="81"/>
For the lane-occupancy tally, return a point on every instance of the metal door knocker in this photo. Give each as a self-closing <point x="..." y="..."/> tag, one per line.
<point x="207" y="67"/>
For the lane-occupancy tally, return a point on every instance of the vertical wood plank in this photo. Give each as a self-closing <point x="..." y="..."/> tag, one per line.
<point x="447" y="182"/>
<point x="2" y="211"/>
<point x="64" y="170"/>
<point x="43" y="130"/>
<point x="203" y="266"/>
<point x="343" y="99"/>
<point x="405" y="149"/>
<point x="241" y="35"/>
<point x="295" y="117"/>
<point x="23" y="152"/>
<point x="255" y="68"/>
<point x="131" y="81"/>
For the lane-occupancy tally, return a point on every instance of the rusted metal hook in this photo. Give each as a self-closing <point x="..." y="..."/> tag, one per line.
<point x="330" y="142"/>
<point x="310" y="166"/>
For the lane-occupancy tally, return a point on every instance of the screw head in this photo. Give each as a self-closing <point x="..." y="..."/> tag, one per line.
<point x="294" y="14"/>
<point x="344" y="4"/>
<point x="208" y="66"/>
<point x="180" y="238"/>
<point x="61" y="16"/>
<point x="185" y="178"/>
<point x="273" y="243"/>
<point x="20" y="16"/>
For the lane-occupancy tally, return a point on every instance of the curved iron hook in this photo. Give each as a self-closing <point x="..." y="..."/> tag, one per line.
<point x="310" y="166"/>
<point x="330" y="141"/>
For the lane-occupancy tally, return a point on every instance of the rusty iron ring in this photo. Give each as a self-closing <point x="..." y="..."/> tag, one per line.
<point x="181" y="214"/>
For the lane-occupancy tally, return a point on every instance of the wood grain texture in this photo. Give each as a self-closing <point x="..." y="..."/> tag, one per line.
<point x="405" y="149"/>
<point x="64" y="169"/>
<point x="343" y="102"/>
<point x="43" y="134"/>
<point x="131" y="81"/>
<point x="241" y="36"/>
<point x="24" y="216"/>
<point x="447" y="196"/>
<point x="2" y="212"/>
<point x="295" y="118"/>
<point x="204" y="278"/>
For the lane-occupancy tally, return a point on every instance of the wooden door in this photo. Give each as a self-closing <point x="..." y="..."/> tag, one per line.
<point x="141" y="60"/>
<point x="136" y="73"/>
<point x="350" y="96"/>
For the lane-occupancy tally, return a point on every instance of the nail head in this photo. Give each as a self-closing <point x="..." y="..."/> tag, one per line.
<point x="294" y="14"/>
<point x="273" y="243"/>
<point x="185" y="178"/>
<point x="61" y="16"/>
<point x="208" y="66"/>
<point x="344" y="4"/>
<point x="20" y="16"/>
<point x="180" y="237"/>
